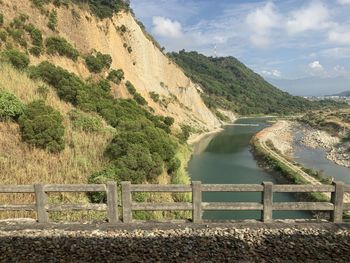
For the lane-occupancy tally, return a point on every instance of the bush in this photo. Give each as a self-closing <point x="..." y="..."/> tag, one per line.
<point x="105" y="9"/>
<point x="154" y="96"/>
<point x="1" y="19"/>
<point x="116" y="76"/>
<point x="60" y="46"/>
<point x="169" y="121"/>
<point x="139" y="99"/>
<point x="130" y="87"/>
<point x="97" y="63"/>
<point x="35" y="34"/>
<point x="42" y="127"/>
<point x="185" y="134"/>
<point x="104" y="85"/>
<point x="10" y="106"/>
<point x="3" y="35"/>
<point x="84" y="121"/>
<point x="18" y="59"/>
<point x="35" y="51"/>
<point x="52" y="24"/>
<point x="43" y="91"/>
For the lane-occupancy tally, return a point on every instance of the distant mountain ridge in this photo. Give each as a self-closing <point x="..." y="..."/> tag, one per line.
<point x="312" y="86"/>
<point x="343" y="94"/>
<point x="229" y="84"/>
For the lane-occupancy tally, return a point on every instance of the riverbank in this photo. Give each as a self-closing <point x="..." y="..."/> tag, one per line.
<point x="336" y="150"/>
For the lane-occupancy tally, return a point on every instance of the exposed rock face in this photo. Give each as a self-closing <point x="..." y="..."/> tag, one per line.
<point x="145" y="66"/>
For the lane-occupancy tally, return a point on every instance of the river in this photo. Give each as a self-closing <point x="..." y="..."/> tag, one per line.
<point x="225" y="158"/>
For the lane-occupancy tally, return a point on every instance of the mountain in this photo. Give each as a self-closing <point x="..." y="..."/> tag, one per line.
<point x="313" y="86"/>
<point x="343" y="94"/>
<point x="229" y="84"/>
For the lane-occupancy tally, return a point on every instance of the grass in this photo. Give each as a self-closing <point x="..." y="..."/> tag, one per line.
<point x="21" y="164"/>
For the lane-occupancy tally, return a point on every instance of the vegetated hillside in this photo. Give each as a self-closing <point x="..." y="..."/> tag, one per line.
<point x="60" y="121"/>
<point x="229" y="84"/>
<point x="76" y="34"/>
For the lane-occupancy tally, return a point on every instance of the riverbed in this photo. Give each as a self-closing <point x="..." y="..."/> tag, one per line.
<point x="225" y="158"/>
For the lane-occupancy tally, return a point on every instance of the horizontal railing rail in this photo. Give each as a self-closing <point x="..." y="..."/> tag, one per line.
<point x="336" y="205"/>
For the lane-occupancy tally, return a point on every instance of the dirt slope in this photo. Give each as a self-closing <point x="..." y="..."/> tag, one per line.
<point x="146" y="66"/>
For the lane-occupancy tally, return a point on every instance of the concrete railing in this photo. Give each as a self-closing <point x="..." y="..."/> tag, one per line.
<point x="336" y="206"/>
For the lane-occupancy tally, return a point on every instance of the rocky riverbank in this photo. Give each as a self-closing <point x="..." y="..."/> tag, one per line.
<point x="179" y="244"/>
<point x="336" y="151"/>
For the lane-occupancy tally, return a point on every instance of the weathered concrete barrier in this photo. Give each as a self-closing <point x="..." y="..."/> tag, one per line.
<point x="336" y="206"/>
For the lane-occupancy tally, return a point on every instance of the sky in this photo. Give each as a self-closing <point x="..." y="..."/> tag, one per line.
<point x="286" y="39"/>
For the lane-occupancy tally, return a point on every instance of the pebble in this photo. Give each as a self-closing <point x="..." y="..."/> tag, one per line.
<point x="206" y="244"/>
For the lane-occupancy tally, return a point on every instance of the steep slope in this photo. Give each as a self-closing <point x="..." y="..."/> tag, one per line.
<point x="131" y="50"/>
<point x="343" y="94"/>
<point x="229" y="84"/>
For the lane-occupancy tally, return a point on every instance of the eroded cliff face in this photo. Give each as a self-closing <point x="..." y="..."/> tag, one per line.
<point x="145" y="66"/>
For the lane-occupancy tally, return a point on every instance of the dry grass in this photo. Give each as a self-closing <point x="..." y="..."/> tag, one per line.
<point x="21" y="164"/>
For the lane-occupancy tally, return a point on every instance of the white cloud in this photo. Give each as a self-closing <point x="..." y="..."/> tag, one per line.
<point x="316" y="65"/>
<point x="336" y="53"/>
<point x="165" y="27"/>
<point x="315" y="16"/>
<point x="260" y="22"/>
<point x="340" y="35"/>
<point x="344" y="2"/>
<point x="274" y="73"/>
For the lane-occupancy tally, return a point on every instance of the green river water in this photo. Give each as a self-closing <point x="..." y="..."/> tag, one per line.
<point x="225" y="158"/>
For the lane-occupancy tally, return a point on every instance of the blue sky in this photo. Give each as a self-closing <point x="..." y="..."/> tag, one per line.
<point x="278" y="39"/>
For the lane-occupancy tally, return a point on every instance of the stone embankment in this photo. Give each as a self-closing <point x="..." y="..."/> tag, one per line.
<point x="224" y="243"/>
<point x="336" y="151"/>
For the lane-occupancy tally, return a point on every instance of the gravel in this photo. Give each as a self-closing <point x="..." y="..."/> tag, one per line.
<point x="177" y="244"/>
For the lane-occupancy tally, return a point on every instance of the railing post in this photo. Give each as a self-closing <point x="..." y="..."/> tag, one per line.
<point x="337" y="199"/>
<point x="40" y="203"/>
<point x="197" y="202"/>
<point x="267" y="199"/>
<point x="112" y="203"/>
<point x="127" y="202"/>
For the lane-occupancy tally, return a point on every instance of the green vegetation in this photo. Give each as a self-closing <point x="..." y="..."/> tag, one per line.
<point x="96" y="63"/>
<point x="229" y="84"/>
<point x="3" y="35"/>
<point x="104" y="9"/>
<point x="42" y="127"/>
<point x="1" y="19"/>
<point x="85" y="122"/>
<point x="52" y="24"/>
<point x="185" y="133"/>
<point x="60" y="46"/>
<point x="143" y="147"/>
<point x="116" y="76"/>
<point x="37" y="39"/>
<point x="154" y="96"/>
<point x="139" y="99"/>
<point x="10" y="106"/>
<point x="130" y="87"/>
<point x="43" y="91"/>
<point x="18" y="59"/>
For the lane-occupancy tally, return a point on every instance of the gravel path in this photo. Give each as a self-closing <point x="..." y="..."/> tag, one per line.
<point x="181" y="244"/>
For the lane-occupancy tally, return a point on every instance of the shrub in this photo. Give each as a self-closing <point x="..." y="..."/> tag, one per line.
<point x="169" y="121"/>
<point x="60" y="46"/>
<point x="42" y="127"/>
<point x="52" y="24"/>
<point x="1" y="19"/>
<point x="104" y="85"/>
<point x="154" y="96"/>
<point x="116" y="76"/>
<point x="97" y="63"/>
<point x="67" y="85"/>
<point x="104" y="9"/>
<point x="35" y="51"/>
<point x="129" y="49"/>
<point x="35" y="34"/>
<point x="130" y="87"/>
<point x="10" y="106"/>
<point x="85" y="122"/>
<point x="18" y="59"/>
<point x="17" y="35"/>
<point x="185" y="134"/>
<point x="139" y="99"/>
<point x="3" y="35"/>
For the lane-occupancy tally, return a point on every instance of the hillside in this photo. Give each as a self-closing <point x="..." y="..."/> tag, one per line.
<point x="119" y="35"/>
<point x="77" y="106"/>
<point x="229" y="84"/>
